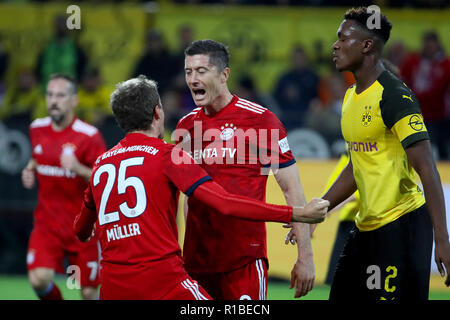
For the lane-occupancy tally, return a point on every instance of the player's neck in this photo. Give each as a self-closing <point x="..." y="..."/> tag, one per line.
<point x="149" y="133"/>
<point x="66" y="121"/>
<point x="220" y="102"/>
<point x="367" y="74"/>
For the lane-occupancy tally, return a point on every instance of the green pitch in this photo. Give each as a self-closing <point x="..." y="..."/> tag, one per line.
<point x="18" y="288"/>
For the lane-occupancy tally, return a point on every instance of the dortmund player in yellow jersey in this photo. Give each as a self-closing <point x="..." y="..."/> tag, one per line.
<point x="388" y="254"/>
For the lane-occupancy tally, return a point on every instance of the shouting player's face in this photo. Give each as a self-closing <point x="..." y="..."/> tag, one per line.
<point x="347" y="50"/>
<point x="204" y="80"/>
<point x="61" y="101"/>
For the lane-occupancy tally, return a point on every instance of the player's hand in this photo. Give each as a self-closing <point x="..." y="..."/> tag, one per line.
<point x="442" y="259"/>
<point x="314" y="212"/>
<point x="302" y="277"/>
<point x="28" y="178"/>
<point x="69" y="162"/>
<point x="290" y="236"/>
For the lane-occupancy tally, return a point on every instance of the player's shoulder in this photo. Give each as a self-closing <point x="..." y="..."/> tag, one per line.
<point x="41" y="123"/>
<point x="393" y="87"/>
<point x="188" y="117"/>
<point x="84" y="128"/>
<point x="249" y="107"/>
<point x="397" y="99"/>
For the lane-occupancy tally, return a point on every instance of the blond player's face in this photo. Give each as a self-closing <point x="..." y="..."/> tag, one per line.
<point x="203" y="79"/>
<point x="60" y="100"/>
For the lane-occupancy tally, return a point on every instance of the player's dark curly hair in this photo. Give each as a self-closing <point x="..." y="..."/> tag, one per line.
<point x="217" y="52"/>
<point x="361" y="16"/>
<point x="133" y="103"/>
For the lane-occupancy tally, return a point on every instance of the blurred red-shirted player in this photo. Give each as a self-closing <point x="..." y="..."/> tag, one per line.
<point x="235" y="140"/>
<point x="132" y="201"/>
<point x="64" y="150"/>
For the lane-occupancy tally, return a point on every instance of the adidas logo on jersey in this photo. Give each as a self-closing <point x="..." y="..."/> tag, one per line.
<point x="38" y="149"/>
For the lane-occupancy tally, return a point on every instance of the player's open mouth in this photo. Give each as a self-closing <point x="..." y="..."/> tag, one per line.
<point x="199" y="93"/>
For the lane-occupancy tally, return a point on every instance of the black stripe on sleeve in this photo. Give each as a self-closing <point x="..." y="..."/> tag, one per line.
<point x="409" y="140"/>
<point x="90" y="208"/>
<point x="196" y="184"/>
<point x="280" y="165"/>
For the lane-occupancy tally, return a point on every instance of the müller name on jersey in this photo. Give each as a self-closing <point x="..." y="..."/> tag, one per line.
<point x="121" y="232"/>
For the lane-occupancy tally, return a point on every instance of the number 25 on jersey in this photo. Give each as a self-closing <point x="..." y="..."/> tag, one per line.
<point x="122" y="184"/>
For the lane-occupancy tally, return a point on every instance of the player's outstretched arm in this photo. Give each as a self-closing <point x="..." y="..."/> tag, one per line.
<point x="315" y="210"/>
<point x="421" y="158"/>
<point x="218" y="198"/>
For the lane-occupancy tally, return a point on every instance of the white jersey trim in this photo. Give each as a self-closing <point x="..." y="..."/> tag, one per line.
<point x="249" y="108"/>
<point x="193" y="288"/>
<point x="262" y="279"/>
<point x="194" y="111"/>
<point x="248" y="105"/>
<point x="41" y="122"/>
<point x="252" y="104"/>
<point x="84" y="127"/>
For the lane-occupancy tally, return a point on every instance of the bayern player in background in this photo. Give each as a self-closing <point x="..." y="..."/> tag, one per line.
<point x="132" y="202"/>
<point x="251" y="141"/>
<point x="64" y="150"/>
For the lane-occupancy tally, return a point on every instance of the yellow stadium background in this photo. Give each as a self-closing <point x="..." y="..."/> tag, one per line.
<point x="260" y="38"/>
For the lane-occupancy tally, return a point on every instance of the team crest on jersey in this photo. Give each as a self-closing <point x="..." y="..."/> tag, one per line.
<point x="367" y="116"/>
<point x="227" y="131"/>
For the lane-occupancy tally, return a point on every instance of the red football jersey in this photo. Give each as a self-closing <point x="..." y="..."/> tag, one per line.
<point x="235" y="146"/>
<point x="134" y="187"/>
<point x="60" y="192"/>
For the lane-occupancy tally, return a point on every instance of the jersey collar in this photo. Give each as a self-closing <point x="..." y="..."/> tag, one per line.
<point x="225" y="109"/>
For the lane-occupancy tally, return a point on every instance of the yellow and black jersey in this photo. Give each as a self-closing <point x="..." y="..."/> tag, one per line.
<point x="378" y="124"/>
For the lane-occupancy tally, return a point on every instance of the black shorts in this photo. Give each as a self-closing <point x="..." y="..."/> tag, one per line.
<point x="389" y="263"/>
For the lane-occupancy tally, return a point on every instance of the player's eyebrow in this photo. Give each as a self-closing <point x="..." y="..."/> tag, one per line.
<point x="196" y="68"/>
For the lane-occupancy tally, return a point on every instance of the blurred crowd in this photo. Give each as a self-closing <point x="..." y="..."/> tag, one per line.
<point x="328" y="3"/>
<point x="308" y="94"/>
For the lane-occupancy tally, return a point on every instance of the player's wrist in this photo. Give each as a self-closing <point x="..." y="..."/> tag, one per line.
<point x="441" y="238"/>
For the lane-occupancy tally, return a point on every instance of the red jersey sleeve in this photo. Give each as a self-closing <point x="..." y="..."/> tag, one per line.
<point x="213" y="195"/>
<point x="182" y="170"/>
<point x="273" y="143"/>
<point x="85" y="220"/>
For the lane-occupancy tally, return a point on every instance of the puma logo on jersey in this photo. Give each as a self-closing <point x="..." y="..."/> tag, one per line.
<point x="407" y="97"/>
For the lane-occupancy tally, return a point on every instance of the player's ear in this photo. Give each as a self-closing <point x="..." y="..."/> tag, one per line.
<point x="225" y="74"/>
<point x="367" y="45"/>
<point x="75" y="100"/>
<point x="157" y="113"/>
